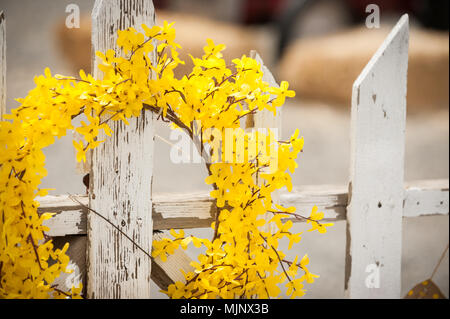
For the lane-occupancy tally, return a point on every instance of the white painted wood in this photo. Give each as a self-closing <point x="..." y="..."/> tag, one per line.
<point x="376" y="192"/>
<point x="70" y="217"/>
<point x="266" y="119"/>
<point x="426" y="198"/>
<point x="2" y="64"/>
<point x="67" y="222"/>
<point x="121" y="177"/>
<point x="196" y="210"/>
<point x="52" y="203"/>
<point x="167" y="272"/>
<point x="193" y="210"/>
<point x="329" y="199"/>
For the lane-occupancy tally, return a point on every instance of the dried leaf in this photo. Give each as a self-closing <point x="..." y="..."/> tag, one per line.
<point x="425" y="290"/>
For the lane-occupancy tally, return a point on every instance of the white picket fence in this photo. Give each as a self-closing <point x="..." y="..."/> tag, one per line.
<point x="121" y="180"/>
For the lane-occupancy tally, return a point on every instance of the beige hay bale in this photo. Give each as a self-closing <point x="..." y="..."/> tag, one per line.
<point x="75" y="44"/>
<point x="325" y="68"/>
<point x="192" y="32"/>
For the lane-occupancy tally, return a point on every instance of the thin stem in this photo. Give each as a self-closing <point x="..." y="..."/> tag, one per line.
<point x="73" y="198"/>
<point x="177" y="91"/>
<point x="30" y="238"/>
<point x="439" y="262"/>
<point x="60" y="291"/>
<point x="295" y="215"/>
<point x="278" y="256"/>
<point x="290" y="263"/>
<point x="107" y="120"/>
<point x="139" y="47"/>
<point x="74" y="79"/>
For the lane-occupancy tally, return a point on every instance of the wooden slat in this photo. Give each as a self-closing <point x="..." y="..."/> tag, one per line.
<point x="2" y="64"/>
<point x="267" y="120"/>
<point x="195" y="210"/>
<point x="183" y="210"/>
<point x="121" y="176"/>
<point x="376" y="191"/>
<point x="426" y="198"/>
<point x="167" y="272"/>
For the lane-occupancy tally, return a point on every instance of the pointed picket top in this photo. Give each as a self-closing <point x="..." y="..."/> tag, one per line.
<point x="376" y="190"/>
<point x="265" y="118"/>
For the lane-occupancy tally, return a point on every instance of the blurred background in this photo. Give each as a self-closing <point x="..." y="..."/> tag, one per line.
<point x="320" y="47"/>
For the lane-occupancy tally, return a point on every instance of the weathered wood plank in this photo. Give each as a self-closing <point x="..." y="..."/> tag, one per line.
<point x="426" y="198"/>
<point x="168" y="272"/>
<point x="183" y="210"/>
<point x="70" y="217"/>
<point x="195" y="210"/>
<point x="2" y="64"/>
<point x="375" y="210"/>
<point x="121" y="176"/>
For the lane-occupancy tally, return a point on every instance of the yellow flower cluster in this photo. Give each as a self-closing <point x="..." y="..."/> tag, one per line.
<point x="241" y="260"/>
<point x="28" y="262"/>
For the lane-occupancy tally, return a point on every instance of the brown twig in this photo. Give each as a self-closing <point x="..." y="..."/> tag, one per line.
<point x="73" y="198"/>
<point x="278" y="256"/>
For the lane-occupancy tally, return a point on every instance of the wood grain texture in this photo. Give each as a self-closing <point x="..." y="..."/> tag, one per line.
<point x="165" y="273"/>
<point x="190" y="210"/>
<point x="121" y="176"/>
<point x="196" y="210"/>
<point x="2" y="64"/>
<point x="376" y="191"/>
<point x="70" y="217"/>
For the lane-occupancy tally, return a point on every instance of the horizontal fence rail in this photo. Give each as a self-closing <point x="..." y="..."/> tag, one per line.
<point x="196" y="210"/>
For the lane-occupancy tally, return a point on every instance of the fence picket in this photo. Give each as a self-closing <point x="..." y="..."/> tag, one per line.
<point x="121" y="176"/>
<point x="376" y="191"/>
<point x="266" y="119"/>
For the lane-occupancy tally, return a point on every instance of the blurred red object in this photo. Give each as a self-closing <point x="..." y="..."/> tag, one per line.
<point x="262" y="11"/>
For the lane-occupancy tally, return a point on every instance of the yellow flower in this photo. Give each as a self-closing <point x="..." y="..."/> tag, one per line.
<point x="212" y="50"/>
<point x="316" y="216"/>
<point x="81" y="152"/>
<point x="282" y="92"/>
<point x="295" y="288"/>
